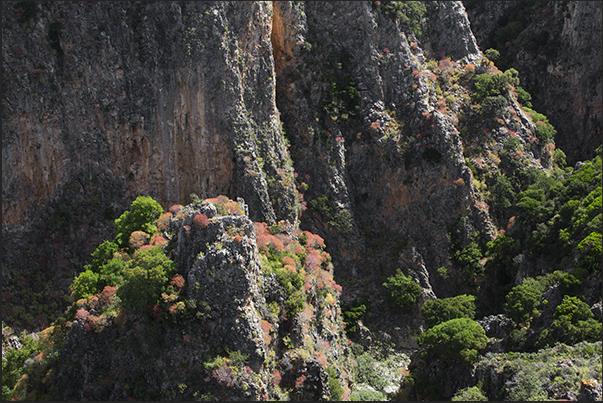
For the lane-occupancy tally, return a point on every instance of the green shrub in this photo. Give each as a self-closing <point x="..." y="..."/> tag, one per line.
<point x="494" y="84"/>
<point x="442" y="310"/>
<point x="545" y="132"/>
<point x="145" y="277"/>
<point x="142" y="216"/>
<point x="492" y="54"/>
<point x="522" y="302"/>
<point x="523" y="97"/>
<point x="468" y="259"/>
<point x="367" y="395"/>
<point x="494" y="106"/>
<point x="353" y="312"/>
<point x="573" y="323"/>
<point x="410" y="14"/>
<point x="473" y="394"/>
<point x="367" y="373"/>
<point x="13" y="365"/>
<point x="503" y="195"/>
<point x="84" y="285"/>
<point x="342" y="221"/>
<point x="402" y="290"/>
<point x="590" y="248"/>
<point x="111" y="273"/>
<point x="334" y="384"/>
<point x="322" y="205"/>
<point x="455" y="340"/>
<point x="102" y="254"/>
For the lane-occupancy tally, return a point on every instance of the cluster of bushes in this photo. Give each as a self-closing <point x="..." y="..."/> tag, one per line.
<point x="552" y="373"/>
<point x="141" y="275"/>
<point x="409" y="13"/>
<point x="300" y="263"/>
<point x="555" y="221"/>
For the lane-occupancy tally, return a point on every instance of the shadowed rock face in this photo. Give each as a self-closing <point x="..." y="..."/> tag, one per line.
<point x="103" y="102"/>
<point x="157" y="94"/>
<point x="557" y="51"/>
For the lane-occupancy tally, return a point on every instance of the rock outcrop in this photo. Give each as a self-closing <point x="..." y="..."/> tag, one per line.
<point x="227" y="340"/>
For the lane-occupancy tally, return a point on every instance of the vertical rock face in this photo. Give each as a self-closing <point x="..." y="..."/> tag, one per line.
<point x="170" y="98"/>
<point x="106" y="101"/>
<point x="557" y="49"/>
<point x="387" y="159"/>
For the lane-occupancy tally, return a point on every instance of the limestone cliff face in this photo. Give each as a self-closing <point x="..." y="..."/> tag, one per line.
<point x="557" y="48"/>
<point x="171" y="99"/>
<point x="386" y="166"/>
<point x="105" y="101"/>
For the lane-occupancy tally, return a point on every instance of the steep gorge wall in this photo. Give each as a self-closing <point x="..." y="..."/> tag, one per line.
<point x="557" y="49"/>
<point x="106" y="101"/>
<point x="369" y="155"/>
<point x="167" y="99"/>
<point x="157" y="94"/>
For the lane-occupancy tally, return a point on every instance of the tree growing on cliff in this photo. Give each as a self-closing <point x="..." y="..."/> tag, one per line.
<point x="455" y="340"/>
<point x="145" y="277"/>
<point x="522" y="301"/>
<point x="402" y="290"/>
<point x="442" y="310"/>
<point x="142" y="216"/>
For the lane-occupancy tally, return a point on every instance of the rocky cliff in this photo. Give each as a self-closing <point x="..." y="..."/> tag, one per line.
<point x="170" y="99"/>
<point x="103" y="102"/>
<point x="374" y="131"/>
<point x="556" y="47"/>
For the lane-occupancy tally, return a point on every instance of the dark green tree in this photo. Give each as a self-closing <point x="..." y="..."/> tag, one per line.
<point x="573" y="323"/>
<point x="522" y="301"/>
<point x="142" y="216"/>
<point x="455" y="340"/>
<point x="145" y="277"/>
<point x="442" y="310"/>
<point x="402" y="290"/>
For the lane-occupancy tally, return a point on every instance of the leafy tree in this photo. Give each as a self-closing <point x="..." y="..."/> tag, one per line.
<point x="102" y="254"/>
<point x="591" y="249"/>
<point x="442" y="310"/>
<point x="455" y="340"/>
<point x="473" y="394"/>
<point x="145" y="277"/>
<point x="468" y="259"/>
<point x="111" y="273"/>
<point x="142" y="216"/>
<point x="573" y="323"/>
<point x="353" y="312"/>
<point x="522" y="302"/>
<point x="402" y="290"/>
<point x="84" y="285"/>
<point x="503" y="194"/>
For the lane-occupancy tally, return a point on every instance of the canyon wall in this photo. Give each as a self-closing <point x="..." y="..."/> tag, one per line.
<point x="556" y="47"/>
